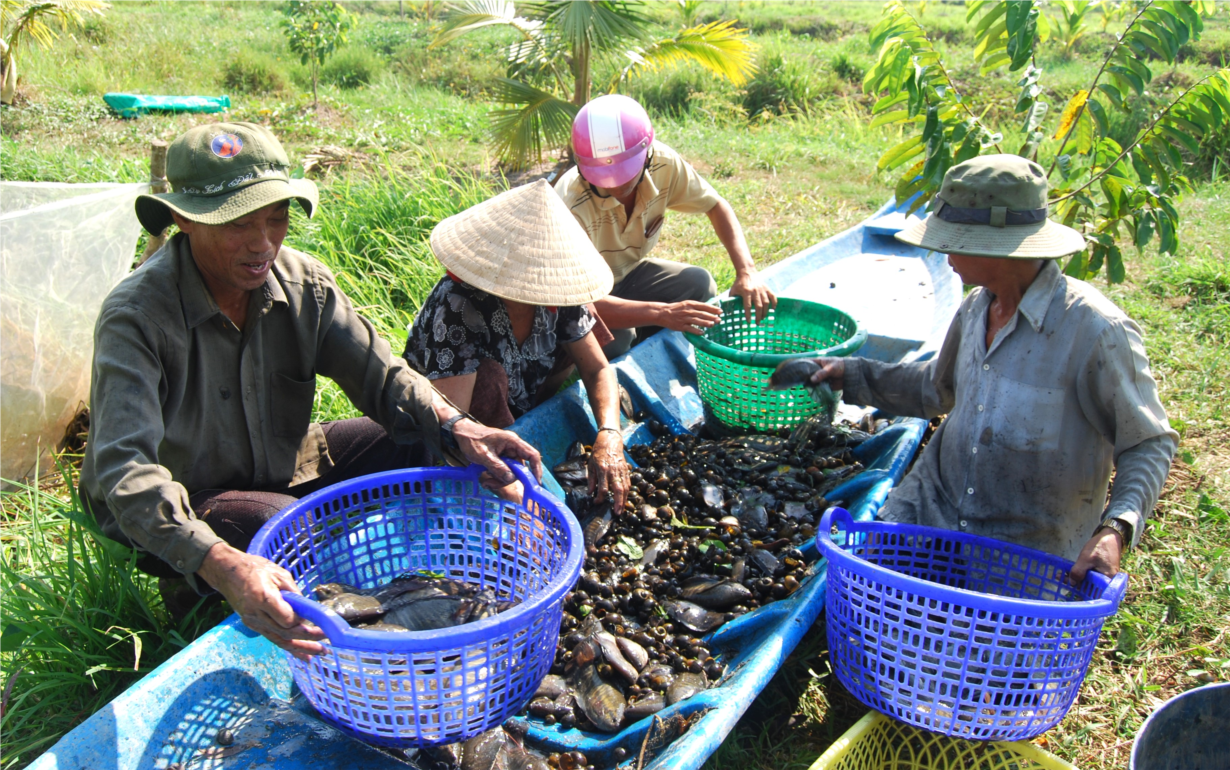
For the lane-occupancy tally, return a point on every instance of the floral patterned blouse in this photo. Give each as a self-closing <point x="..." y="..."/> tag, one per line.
<point x="459" y="325"/>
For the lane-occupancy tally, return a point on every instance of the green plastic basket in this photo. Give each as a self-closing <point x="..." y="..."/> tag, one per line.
<point x="734" y="359"/>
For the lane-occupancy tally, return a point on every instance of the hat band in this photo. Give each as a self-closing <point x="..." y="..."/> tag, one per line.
<point x="249" y="176"/>
<point x="995" y="216"/>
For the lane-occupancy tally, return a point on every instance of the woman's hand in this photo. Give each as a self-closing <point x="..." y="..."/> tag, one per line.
<point x="608" y="471"/>
<point x="486" y="446"/>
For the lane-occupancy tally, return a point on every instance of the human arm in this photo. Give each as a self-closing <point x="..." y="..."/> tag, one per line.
<point x="914" y="389"/>
<point x="608" y="472"/>
<point x="747" y="285"/>
<point x="1118" y="395"/>
<point x="686" y="316"/>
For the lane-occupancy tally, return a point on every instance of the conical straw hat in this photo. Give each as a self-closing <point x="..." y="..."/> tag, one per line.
<point x="523" y="245"/>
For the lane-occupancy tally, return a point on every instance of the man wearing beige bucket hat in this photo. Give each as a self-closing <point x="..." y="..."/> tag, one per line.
<point x="1045" y="384"/>
<point x="204" y="378"/>
<point x="513" y="314"/>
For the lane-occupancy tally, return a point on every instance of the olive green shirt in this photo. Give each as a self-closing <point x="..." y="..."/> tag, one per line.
<point x="182" y="401"/>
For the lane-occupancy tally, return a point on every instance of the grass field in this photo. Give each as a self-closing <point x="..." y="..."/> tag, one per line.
<point x="793" y="154"/>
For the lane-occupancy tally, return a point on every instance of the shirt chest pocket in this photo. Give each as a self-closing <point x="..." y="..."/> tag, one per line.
<point x="291" y="405"/>
<point x="1028" y="418"/>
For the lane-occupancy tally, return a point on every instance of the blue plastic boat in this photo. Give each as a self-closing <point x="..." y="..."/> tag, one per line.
<point x="232" y="678"/>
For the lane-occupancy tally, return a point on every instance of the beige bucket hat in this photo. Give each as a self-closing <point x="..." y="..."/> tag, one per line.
<point x="993" y="206"/>
<point x="221" y="172"/>
<point x="523" y="245"/>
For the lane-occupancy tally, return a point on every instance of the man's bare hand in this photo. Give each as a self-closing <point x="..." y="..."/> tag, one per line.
<point x="252" y="586"/>
<point x="832" y="371"/>
<point x="688" y="316"/>
<point x="485" y="446"/>
<point x="1100" y="554"/>
<point x="608" y="471"/>
<point x="755" y="295"/>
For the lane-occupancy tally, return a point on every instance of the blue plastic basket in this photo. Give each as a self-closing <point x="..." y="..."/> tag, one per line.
<point x="430" y="687"/>
<point x="959" y="634"/>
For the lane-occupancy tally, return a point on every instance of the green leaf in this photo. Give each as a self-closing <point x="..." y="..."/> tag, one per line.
<point x="1099" y="115"/>
<point x="900" y="153"/>
<point x="1169" y="244"/>
<point x="1144" y="230"/>
<point x="12" y="636"/>
<point x="1076" y="265"/>
<point x="1112" y="93"/>
<point x="1116" y="196"/>
<point x="1035" y="116"/>
<point x="520" y="134"/>
<point x="1116" y="272"/>
<point x="1022" y="32"/>
<point x="711" y="543"/>
<point x="720" y="47"/>
<point x="629" y="547"/>
<point x="1128" y="76"/>
<point x="888" y="118"/>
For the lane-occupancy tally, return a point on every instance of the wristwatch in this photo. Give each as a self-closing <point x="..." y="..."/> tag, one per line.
<point x="446" y="430"/>
<point x="1122" y="527"/>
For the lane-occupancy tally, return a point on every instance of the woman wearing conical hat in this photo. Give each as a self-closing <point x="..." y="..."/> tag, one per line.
<point x="500" y="331"/>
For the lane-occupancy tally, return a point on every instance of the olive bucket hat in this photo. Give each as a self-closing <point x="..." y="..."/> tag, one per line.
<point x="993" y="206"/>
<point x="221" y="172"/>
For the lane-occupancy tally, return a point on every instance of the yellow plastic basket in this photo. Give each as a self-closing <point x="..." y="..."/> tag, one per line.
<point x="879" y="743"/>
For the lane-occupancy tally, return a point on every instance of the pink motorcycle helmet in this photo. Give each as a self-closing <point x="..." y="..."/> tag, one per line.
<point x="611" y="137"/>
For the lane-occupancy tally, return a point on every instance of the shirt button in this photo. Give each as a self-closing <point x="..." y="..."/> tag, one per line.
<point x="985" y="367"/>
<point x="180" y="564"/>
<point x="975" y="450"/>
<point x="964" y="523"/>
<point x="969" y="491"/>
<point x="225" y="391"/>
<point x="980" y="407"/>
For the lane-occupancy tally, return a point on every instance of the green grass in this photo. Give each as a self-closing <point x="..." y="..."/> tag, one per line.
<point x="412" y="124"/>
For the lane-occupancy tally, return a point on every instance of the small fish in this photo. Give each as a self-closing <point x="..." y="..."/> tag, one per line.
<point x="572" y="472"/>
<point x="633" y="652"/>
<point x="552" y="686"/>
<point x="712" y="495"/>
<point x="611" y="653"/>
<point x="482" y="752"/>
<point x="686" y="685"/>
<point x="429" y="614"/>
<point x="693" y="617"/>
<point x="796" y="371"/>
<point x="330" y="590"/>
<point x="714" y="594"/>
<point x="380" y="625"/>
<point x="764" y="562"/>
<point x="644" y="706"/>
<point x="596" y="526"/>
<point x="601" y="701"/>
<point x="354" y="607"/>
<point x="575" y="451"/>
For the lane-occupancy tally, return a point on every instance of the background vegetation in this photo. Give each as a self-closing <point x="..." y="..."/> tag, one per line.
<point x="399" y="142"/>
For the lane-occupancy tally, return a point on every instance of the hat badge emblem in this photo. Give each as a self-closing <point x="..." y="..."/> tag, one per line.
<point x="226" y="145"/>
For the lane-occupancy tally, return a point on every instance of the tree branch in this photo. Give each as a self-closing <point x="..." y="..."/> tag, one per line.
<point x="1139" y="137"/>
<point x="1080" y="110"/>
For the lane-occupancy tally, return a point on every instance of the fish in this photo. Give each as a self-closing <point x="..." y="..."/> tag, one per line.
<point x="601" y="701"/>
<point x="430" y="614"/>
<point x="482" y="752"/>
<point x="712" y="495"/>
<point x="764" y="562"/>
<point x="329" y="590"/>
<point x="611" y="653"/>
<point x="657" y="676"/>
<point x="354" y="607"/>
<point x="685" y="686"/>
<point x="644" y="706"/>
<point x="596" y="526"/>
<point x="633" y="652"/>
<point x="380" y="625"/>
<point x="693" y="617"/>
<point x="789" y="374"/>
<point x="713" y="593"/>
<point x="573" y="472"/>
<point x="552" y="686"/>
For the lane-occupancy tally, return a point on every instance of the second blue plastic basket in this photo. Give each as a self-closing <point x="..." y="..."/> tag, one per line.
<point x="955" y="633"/>
<point x="430" y="687"/>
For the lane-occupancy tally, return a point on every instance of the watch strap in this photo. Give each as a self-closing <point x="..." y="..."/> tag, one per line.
<point x="1122" y="527"/>
<point x="446" y="429"/>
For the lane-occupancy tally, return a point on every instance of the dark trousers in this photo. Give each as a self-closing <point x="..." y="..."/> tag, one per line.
<point x="658" y="280"/>
<point x="358" y="447"/>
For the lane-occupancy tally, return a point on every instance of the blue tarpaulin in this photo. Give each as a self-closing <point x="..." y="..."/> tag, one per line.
<point x="135" y="105"/>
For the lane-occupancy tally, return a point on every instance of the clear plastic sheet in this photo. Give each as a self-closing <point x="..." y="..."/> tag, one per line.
<point x="63" y="247"/>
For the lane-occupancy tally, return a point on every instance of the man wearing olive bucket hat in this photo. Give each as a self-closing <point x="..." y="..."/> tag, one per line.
<point x="204" y="377"/>
<point x="1045" y="383"/>
<point x="512" y="314"/>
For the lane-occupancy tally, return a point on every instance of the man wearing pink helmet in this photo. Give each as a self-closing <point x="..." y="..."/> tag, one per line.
<point x="619" y="191"/>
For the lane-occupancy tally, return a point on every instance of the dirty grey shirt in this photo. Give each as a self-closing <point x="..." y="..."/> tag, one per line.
<point x="181" y="400"/>
<point x="1035" y="424"/>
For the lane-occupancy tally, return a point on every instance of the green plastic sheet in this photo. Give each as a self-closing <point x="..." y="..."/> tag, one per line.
<point x="135" y="105"/>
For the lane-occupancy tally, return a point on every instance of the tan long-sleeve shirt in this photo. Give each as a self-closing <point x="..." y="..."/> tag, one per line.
<point x="1035" y="423"/>
<point x="182" y="400"/>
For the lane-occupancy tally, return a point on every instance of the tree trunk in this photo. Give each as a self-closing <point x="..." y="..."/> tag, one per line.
<point x="315" y="98"/>
<point x="580" y="70"/>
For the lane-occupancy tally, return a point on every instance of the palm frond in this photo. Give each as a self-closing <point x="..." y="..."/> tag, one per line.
<point x="720" y="47"/>
<point x="22" y="20"/>
<point x="535" y="120"/>
<point x="600" y="24"/>
<point x="465" y="17"/>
